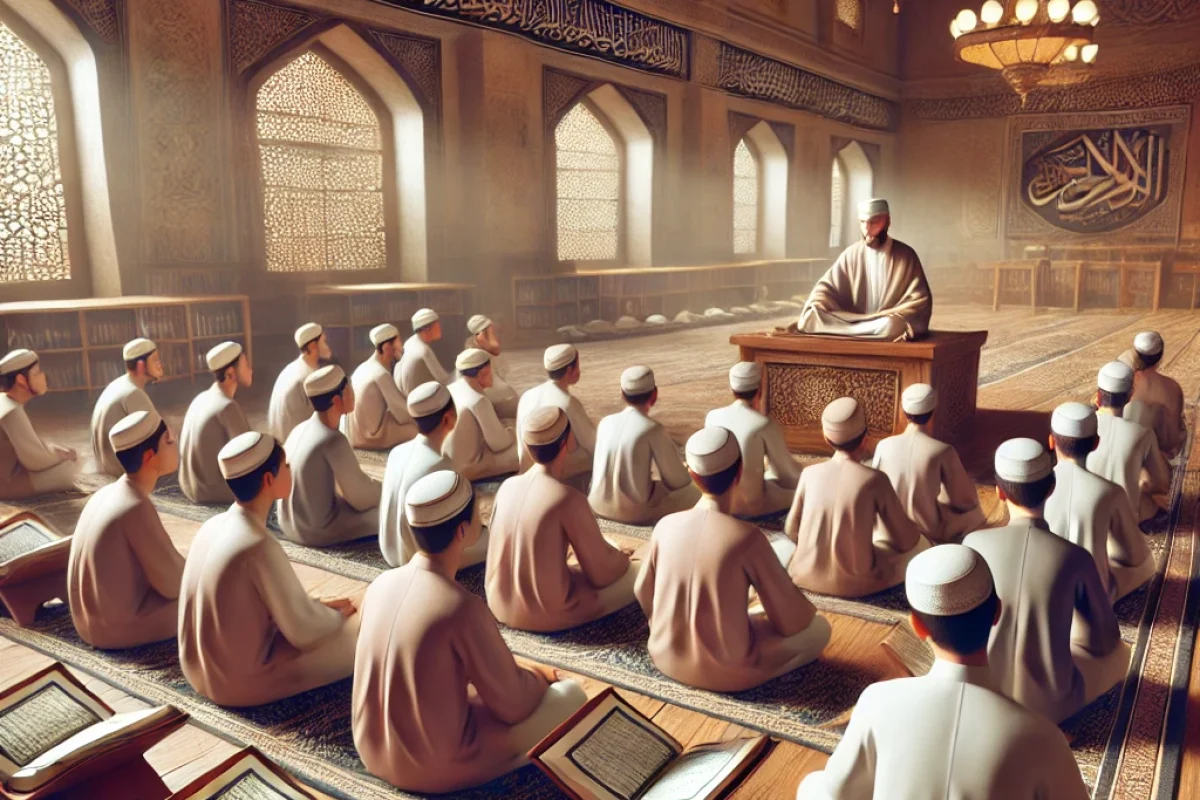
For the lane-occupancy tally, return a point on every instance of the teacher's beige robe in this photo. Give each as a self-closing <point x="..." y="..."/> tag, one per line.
<point x="211" y="421"/>
<point x="28" y="467"/>
<point x="289" y="405"/>
<point x="1128" y="455"/>
<point x="503" y="396"/>
<point x="550" y="394"/>
<point x="119" y="399"/>
<point x="1163" y="396"/>
<point x="628" y="444"/>
<point x="769" y="473"/>
<point x="380" y="419"/>
<point x="480" y="445"/>
<point x="418" y="364"/>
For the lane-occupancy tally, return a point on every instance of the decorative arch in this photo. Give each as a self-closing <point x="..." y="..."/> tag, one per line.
<point x="852" y="182"/>
<point x="771" y="162"/>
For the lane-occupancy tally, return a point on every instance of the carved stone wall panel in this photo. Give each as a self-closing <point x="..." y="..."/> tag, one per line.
<point x="102" y="16"/>
<point x="255" y="28"/>
<point x="984" y="188"/>
<point x="559" y="91"/>
<point x="421" y="59"/>
<point x="652" y="107"/>
<point x="739" y="125"/>
<point x="798" y="393"/>
<point x="786" y="133"/>
<point x="706" y="60"/>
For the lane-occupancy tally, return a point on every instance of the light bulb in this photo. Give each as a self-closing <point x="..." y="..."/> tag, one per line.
<point x="1083" y="12"/>
<point x="966" y="20"/>
<point x="1071" y="53"/>
<point x="1095" y="20"/>
<point x="1058" y="10"/>
<point x="954" y="31"/>
<point x="1089" y="52"/>
<point x="1027" y="9"/>
<point x="991" y="12"/>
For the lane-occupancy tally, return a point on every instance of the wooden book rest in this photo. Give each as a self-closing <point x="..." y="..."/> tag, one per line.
<point x="36" y="577"/>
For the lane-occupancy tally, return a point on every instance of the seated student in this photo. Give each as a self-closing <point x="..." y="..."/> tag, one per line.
<point x="1160" y="395"/>
<point x="289" y="405"/>
<point x="211" y="421"/>
<point x="439" y="703"/>
<point x="419" y="364"/>
<point x="29" y="465"/>
<point x="122" y="397"/>
<point x="501" y="393"/>
<point x="1046" y="584"/>
<point x="380" y="419"/>
<point x="248" y="632"/>
<point x="695" y="581"/>
<point x="971" y="742"/>
<point x="628" y="443"/>
<point x="480" y="445"/>
<point x="562" y="367"/>
<point x="530" y="585"/>
<point x="123" y="574"/>
<point x="1128" y="453"/>
<point x="1092" y="512"/>
<point x="761" y="440"/>
<point x="928" y="477"/>
<point x="334" y="501"/>
<point x="851" y="533"/>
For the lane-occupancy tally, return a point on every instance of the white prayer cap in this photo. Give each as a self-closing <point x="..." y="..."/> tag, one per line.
<point x="137" y="348"/>
<point x="17" y="360"/>
<point x="559" y="356"/>
<point x="1148" y="343"/>
<point x="383" y="333"/>
<point x="478" y="324"/>
<point x="308" y="332"/>
<point x="424" y="317"/>
<point x="638" y="380"/>
<point x="134" y="429"/>
<point x="711" y="450"/>
<point x="1075" y="420"/>
<point x="1022" y="461"/>
<point x="428" y="398"/>
<point x="1115" y="377"/>
<point x="842" y="420"/>
<point x="222" y="355"/>
<point x="544" y="426"/>
<point x="471" y="359"/>
<point x="869" y="208"/>
<point x="436" y="498"/>
<point x="324" y="380"/>
<point x="920" y="398"/>
<point x="745" y="376"/>
<point x="946" y="580"/>
<point x="243" y="454"/>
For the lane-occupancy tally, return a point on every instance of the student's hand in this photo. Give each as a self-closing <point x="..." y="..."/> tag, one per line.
<point x="342" y="605"/>
<point x="549" y="673"/>
<point x="66" y="452"/>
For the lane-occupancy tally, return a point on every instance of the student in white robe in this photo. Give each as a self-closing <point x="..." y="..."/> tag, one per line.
<point x="122" y="397"/>
<point x="124" y="573"/>
<point x="1092" y="512"/>
<point x="1159" y="394"/>
<point x="949" y="733"/>
<point x="628" y="444"/>
<point x="1057" y="647"/>
<point x="419" y="364"/>
<point x="380" y="419"/>
<point x="761" y="492"/>
<point x="289" y="405"/>
<point x="561" y="362"/>
<point x="484" y="336"/>
<point x="248" y="631"/>
<point x="29" y="465"/>
<point x="334" y="500"/>
<point x="212" y="420"/>
<point x="439" y="703"/>
<point x="928" y="476"/>
<point x="481" y="446"/>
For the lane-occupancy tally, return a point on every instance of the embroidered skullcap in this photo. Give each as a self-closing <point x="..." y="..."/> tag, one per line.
<point x="1148" y="343"/>
<point x="478" y="324"/>
<point x="471" y="359"/>
<point x="842" y="420"/>
<point x="324" y="380"/>
<point x="17" y="360"/>
<point x="1075" y="420"/>
<point x="946" y="580"/>
<point x="222" y="355"/>
<point x="134" y="429"/>
<point x="308" y="332"/>
<point x="436" y="498"/>
<point x="383" y="333"/>
<point x="711" y="450"/>
<point x="869" y="208"/>
<point x="544" y="426"/>
<point x="745" y="376"/>
<point x="637" y="380"/>
<point x="1115" y="377"/>
<point x="243" y="454"/>
<point x="1022" y="461"/>
<point x="424" y="317"/>
<point x="137" y="348"/>
<point x="920" y="398"/>
<point x="559" y="356"/>
<point x="428" y="398"/>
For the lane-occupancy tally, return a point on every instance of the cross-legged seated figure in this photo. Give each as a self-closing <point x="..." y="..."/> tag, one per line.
<point x="1159" y="395"/>
<point x="971" y="742"/>
<point x="289" y="404"/>
<point x="1092" y="512"/>
<point x="562" y="368"/>
<point x="29" y="465"/>
<point x="380" y="419"/>
<point x="124" y="573"/>
<point x="248" y="632"/>
<point x="334" y="500"/>
<point x="628" y="444"/>
<point x="122" y="397"/>
<point x="530" y="585"/>
<point x="928" y="476"/>
<point x="485" y="337"/>
<point x="212" y="420"/>
<point x="1057" y="647"/>
<point x="439" y="702"/>
<point x="851" y="533"/>
<point x="481" y="446"/>
<point x="419" y="364"/>
<point x="695" y="581"/>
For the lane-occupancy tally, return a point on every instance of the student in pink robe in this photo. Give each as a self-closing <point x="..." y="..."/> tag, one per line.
<point x="1161" y="395"/>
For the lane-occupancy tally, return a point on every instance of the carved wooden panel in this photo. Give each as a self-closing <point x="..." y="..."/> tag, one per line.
<point x="102" y="16"/>
<point x="798" y="393"/>
<point x="956" y="396"/>
<point x="256" y="28"/>
<point x="421" y="59"/>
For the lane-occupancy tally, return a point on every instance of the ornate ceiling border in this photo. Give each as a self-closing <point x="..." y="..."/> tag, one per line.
<point x="103" y="17"/>
<point x="1150" y="12"/>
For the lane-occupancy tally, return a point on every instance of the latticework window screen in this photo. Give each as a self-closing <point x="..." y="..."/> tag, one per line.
<point x="589" y="188"/>
<point x="849" y="13"/>
<point x="33" y="210"/>
<point x="322" y="170"/>
<point x="745" y="200"/>
<point x="837" y="195"/>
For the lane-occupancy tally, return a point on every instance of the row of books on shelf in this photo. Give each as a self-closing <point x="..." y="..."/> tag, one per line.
<point x="214" y="319"/>
<point x="42" y="331"/>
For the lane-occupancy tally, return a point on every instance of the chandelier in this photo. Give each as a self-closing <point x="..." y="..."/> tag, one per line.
<point x="1029" y="41"/>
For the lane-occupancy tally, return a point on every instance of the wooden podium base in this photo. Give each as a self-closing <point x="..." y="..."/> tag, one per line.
<point x="22" y="600"/>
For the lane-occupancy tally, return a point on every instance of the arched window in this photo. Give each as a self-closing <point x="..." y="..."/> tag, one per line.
<point x="589" y="188"/>
<point x="837" y="196"/>
<point x="853" y="183"/>
<point x="850" y="13"/>
<point x="760" y="194"/>
<point x="745" y="200"/>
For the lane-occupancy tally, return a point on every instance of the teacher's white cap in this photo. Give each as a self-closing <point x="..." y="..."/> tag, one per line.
<point x="243" y="454"/>
<point x="872" y="207"/>
<point x="947" y="580"/>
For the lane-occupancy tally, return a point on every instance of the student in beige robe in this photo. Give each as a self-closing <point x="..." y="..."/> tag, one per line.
<point x="1058" y="646"/>
<point x="928" y="476"/>
<point x="419" y="364"/>
<point x="875" y="290"/>
<point x="212" y="420"/>
<point x="248" y="632"/>
<point x="562" y="367"/>
<point x="851" y="533"/>
<point x="483" y="335"/>
<point x="481" y="446"/>
<point x="628" y="444"/>
<point x="380" y="419"/>
<point x="123" y="574"/>
<point x="1160" y="394"/>
<point x="122" y="397"/>
<point x="439" y="703"/>
<point x="334" y="500"/>
<point x="761" y="491"/>
<point x="1092" y="512"/>
<point x="695" y="581"/>
<point x="530" y="585"/>
<point x="29" y="465"/>
<point x="949" y="733"/>
<point x="289" y="405"/>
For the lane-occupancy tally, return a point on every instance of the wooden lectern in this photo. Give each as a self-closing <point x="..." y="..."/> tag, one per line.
<point x="33" y="565"/>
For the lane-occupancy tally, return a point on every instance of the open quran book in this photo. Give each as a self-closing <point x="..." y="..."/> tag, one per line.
<point x="54" y="733"/>
<point x="609" y="751"/>
<point x="29" y="548"/>
<point x="246" y="775"/>
<point x="910" y="653"/>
